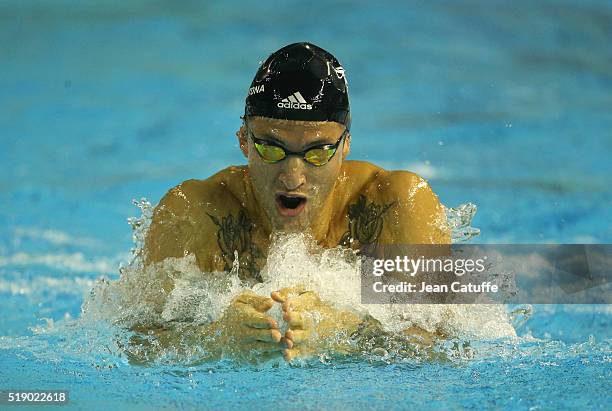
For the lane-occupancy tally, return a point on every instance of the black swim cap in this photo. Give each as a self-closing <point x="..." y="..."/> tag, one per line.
<point x="301" y="81"/>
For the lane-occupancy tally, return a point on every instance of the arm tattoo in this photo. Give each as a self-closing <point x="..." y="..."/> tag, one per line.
<point x="365" y="222"/>
<point x="234" y="235"/>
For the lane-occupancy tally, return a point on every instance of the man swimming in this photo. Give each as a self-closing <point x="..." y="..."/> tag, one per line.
<point x="296" y="137"/>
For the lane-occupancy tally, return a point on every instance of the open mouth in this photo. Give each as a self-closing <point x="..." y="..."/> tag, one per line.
<point x="290" y="205"/>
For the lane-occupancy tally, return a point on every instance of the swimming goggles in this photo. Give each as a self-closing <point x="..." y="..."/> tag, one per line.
<point x="271" y="152"/>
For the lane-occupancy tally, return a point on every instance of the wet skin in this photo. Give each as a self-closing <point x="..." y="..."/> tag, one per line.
<point x="343" y="202"/>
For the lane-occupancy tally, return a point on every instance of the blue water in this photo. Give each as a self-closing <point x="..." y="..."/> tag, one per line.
<point x="502" y="104"/>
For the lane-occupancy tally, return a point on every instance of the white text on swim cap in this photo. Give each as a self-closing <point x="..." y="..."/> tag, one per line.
<point x="295" y="101"/>
<point x="256" y="89"/>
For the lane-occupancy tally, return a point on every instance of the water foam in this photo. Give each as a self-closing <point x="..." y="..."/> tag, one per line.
<point x="175" y="290"/>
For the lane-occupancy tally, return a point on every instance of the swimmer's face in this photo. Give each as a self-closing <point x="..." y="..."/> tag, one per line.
<point x="293" y="192"/>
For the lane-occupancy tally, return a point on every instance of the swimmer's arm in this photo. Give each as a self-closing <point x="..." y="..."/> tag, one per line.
<point x="415" y="215"/>
<point x="194" y="218"/>
<point x="180" y="227"/>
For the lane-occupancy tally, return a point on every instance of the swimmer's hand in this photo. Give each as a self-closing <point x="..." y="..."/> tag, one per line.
<point x="245" y="327"/>
<point x="312" y="323"/>
<point x="298" y="306"/>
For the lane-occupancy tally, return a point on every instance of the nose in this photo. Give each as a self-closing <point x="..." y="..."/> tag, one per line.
<point x="292" y="174"/>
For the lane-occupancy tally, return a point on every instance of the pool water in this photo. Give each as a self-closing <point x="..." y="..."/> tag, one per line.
<point x="504" y="105"/>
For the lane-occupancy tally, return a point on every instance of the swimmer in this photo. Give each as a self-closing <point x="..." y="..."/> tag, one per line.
<point x="296" y="136"/>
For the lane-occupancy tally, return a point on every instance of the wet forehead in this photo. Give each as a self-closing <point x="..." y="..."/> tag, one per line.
<point x="296" y="134"/>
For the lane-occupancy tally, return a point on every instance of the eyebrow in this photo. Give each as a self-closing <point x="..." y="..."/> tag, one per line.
<point x="319" y="142"/>
<point x="270" y="137"/>
<point x="316" y="143"/>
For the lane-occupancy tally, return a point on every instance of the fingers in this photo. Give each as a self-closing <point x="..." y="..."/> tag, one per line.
<point x="264" y="305"/>
<point x="293" y="307"/>
<point x="284" y="293"/>
<point x="255" y="319"/>
<point x="254" y="335"/>
<point x="258" y="302"/>
<point x="286" y="342"/>
<point x="291" y="353"/>
<point x="305" y="300"/>
<point x="297" y="320"/>
<point x="277" y="296"/>
<point x="299" y="331"/>
<point x="265" y="347"/>
<point x="297" y="336"/>
<point x="298" y="300"/>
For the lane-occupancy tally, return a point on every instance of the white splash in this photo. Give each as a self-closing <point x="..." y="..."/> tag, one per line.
<point x="176" y="290"/>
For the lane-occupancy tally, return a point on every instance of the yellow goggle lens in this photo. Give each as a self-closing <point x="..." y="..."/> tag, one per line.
<point x="319" y="156"/>
<point x="270" y="154"/>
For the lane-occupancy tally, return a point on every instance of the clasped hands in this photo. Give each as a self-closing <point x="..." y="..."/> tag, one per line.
<point x="247" y="327"/>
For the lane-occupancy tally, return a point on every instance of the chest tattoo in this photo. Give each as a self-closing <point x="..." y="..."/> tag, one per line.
<point x="234" y="236"/>
<point x="365" y="222"/>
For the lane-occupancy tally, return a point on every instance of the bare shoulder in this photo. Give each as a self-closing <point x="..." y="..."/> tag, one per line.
<point x="418" y="217"/>
<point x="379" y="184"/>
<point x="368" y="177"/>
<point x="359" y="173"/>
<point x="355" y="177"/>
<point x="191" y="198"/>
<point x="184" y="219"/>
<point x="398" y="207"/>
<point x="402" y="186"/>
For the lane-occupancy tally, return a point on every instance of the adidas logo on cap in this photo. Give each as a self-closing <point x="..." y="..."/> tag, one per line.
<point x="295" y="101"/>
